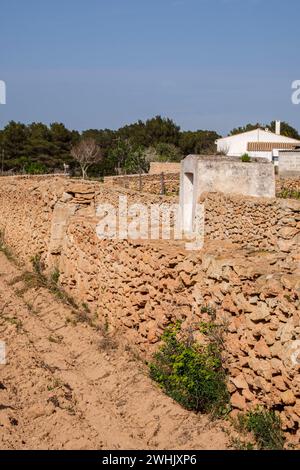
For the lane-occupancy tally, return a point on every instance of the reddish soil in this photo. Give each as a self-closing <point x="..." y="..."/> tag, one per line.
<point x="66" y="386"/>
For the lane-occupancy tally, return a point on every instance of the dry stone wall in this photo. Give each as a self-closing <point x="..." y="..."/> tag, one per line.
<point x="34" y="211"/>
<point x="287" y="184"/>
<point x="157" y="168"/>
<point x="139" y="287"/>
<point x="152" y="183"/>
<point x="149" y="183"/>
<point x="266" y="224"/>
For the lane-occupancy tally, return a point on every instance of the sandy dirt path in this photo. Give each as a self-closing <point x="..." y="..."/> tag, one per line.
<point x="64" y="387"/>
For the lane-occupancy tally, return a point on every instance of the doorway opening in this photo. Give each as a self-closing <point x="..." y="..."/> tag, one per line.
<point x="188" y="202"/>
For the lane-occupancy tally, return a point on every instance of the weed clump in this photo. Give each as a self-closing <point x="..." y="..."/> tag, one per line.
<point x="265" y="426"/>
<point x="191" y="373"/>
<point x="245" y="158"/>
<point x="5" y="249"/>
<point x="289" y="194"/>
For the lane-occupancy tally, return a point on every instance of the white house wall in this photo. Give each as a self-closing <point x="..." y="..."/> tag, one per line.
<point x="237" y="145"/>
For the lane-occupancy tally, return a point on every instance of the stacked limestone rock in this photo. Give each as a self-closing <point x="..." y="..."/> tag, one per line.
<point x="147" y="183"/>
<point x="259" y="297"/>
<point x="139" y="287"/>
<point x="142" y="288"/>
<point x="258" y="223"/>
<point x="287" y="184"/>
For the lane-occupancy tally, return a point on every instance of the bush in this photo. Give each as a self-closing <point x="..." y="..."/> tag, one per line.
<point x="35" y="168"/>
<point x="37" y="264"/>
<point x="55" y="275"/>
<point x="265" y="425"/>
<point x="245" y="158"/>
<point x="168" y="153"/>
<point x="289" y="194"/>
<point x="190" y="373"/>
<point x="5" y="249"/>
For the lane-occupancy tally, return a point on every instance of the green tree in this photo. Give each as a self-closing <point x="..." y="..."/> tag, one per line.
<point x="136" y="161"/>
<point x="162" y="130"/>
<point x="247" y="128"/>
<point x="286" y="130"/>
<point x="198" y="142"/>
<point x="62" y="140"/>
<point x="119" y="154"/>
<point x="168" y="152"/>
<point x="14" y="139"/>
<point x="35" y="168"/>
<point x="153" y="131"/>
<point x="39" y="148"/>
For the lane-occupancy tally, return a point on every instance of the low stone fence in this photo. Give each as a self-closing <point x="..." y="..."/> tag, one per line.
<point x="259" y="223"/>
<point x="287" y="186"/>
<point x="156" y="168"/>
<point x="138" y="287"/>
<point x="155" y="184"/>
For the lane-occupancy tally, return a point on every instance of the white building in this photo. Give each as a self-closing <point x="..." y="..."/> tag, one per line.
<point x="259" y="143"/>
<point x="203" y="174"/>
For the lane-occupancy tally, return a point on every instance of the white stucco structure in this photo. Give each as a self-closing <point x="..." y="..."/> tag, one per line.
<point x="289" y="163"/>
<point x="201" y="174"/>
<point x="259" y="143"/>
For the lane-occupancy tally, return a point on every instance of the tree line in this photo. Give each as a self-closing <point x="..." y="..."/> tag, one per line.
<point x="286" y="129"/>
<point x="38" y="148"/>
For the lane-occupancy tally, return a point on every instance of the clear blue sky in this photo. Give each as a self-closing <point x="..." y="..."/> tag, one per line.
<point x="207" y="64"/>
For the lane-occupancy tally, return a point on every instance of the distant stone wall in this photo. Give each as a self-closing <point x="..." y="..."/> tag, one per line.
<point x="289" y="164"/>
<point x="271" y="224"/>
<point x="157" y="168"/>
<point x="147" y="183"/>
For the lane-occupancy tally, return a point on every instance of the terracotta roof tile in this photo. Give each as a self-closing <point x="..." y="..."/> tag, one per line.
<point x="269" y="146"/>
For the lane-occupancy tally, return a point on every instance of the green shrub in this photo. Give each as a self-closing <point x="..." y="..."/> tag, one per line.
<point x="190" y="373"/>
<point x="55" y="275"/>
<point x="245" y="158"/>
<point x="39" y="279"/>
<point x="35" y="168"/>
<point x="37" y="264"/>
<point x="289" y="194"/>
<point x="5" y="249"/>
<point x="210" y="311"/>
<point x="265" y="425"/>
